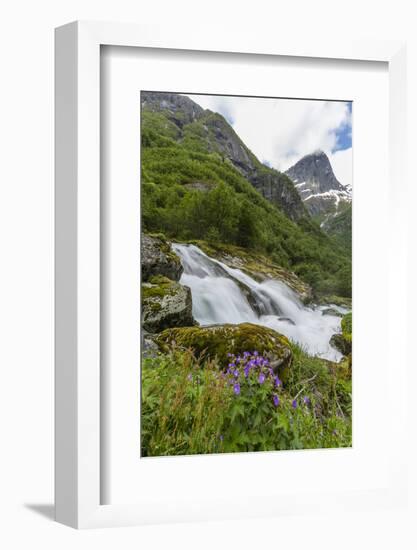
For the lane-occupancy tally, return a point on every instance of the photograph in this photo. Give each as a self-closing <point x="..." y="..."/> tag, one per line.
<point x="246" y="273"/>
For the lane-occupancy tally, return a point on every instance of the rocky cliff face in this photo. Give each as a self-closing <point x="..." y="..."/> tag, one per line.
<point x="317" y="185"/>
<point x="216" y="135"/>
<point x="180" y="109"/>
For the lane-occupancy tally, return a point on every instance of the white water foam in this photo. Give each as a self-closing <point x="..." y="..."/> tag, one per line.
<point x="218" y="298"/>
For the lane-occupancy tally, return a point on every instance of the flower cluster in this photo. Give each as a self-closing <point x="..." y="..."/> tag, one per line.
<point x="253" y="369"/>
<point x="253" y="372"/>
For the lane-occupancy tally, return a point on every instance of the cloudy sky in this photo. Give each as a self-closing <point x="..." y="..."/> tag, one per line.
<point x="281" y="131"/>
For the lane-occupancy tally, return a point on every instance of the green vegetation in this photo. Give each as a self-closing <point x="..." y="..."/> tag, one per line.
<point x="340" y="228"/>
<point x="347" y="327"/>
<point x="191" y="405"/>
<point x="159" y="286"/>
<point x="231" y="210"/>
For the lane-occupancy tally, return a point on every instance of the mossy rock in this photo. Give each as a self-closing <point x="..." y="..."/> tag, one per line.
<point x="217" y="341"/>
<point x="165" y="303"/>
<point x="158" y="259"/>
<point x="332" y="312"/>
<point x="339" y="343"/>
<point x="343" y="341"/>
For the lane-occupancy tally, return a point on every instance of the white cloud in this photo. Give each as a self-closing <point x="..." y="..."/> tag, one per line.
<point x="281" y="131"/>
<point x="341" y="162"/>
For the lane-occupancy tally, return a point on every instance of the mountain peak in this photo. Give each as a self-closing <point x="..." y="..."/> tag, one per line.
<point x="316" y="170"/>
<point x="317" y="185"/>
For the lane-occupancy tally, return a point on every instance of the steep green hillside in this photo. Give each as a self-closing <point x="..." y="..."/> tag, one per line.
<point x="340" y="228"/>
<point x="199" y="181"/>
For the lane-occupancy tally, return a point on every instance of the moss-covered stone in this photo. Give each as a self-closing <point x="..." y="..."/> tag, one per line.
<point x="158" y="259"/>
<point x="339" y="343"/>
<point x="219" y="340"/>
<point x="343" y="341"/>
<point x="165" y="303"/>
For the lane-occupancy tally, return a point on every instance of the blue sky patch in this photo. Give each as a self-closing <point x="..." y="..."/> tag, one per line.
<point x="344" y="133"/>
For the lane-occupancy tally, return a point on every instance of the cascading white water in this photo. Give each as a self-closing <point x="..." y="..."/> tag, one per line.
<point x="218" y="298"/>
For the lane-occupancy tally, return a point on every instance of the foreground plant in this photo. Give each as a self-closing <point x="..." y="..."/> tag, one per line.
<point x="191" y="406"/>
<point x="183" y="405"/>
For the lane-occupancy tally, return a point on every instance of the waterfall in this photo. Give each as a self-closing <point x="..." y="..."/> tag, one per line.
<point x="222" y="294"/>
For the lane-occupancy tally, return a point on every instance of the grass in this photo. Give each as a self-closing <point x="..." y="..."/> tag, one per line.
<point x="192" y="406"/>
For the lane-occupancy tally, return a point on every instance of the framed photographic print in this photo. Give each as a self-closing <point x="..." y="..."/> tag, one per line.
<point x="222" y="247"/>
<point x="246" y="274"/>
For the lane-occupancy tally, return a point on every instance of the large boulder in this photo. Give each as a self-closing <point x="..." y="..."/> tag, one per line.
<point x="158" y="258"/>
<point x="165" y="303"/>
<point x="219" y="340"/>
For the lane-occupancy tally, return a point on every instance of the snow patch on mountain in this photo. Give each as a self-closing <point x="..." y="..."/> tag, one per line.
<point x="318" y="187"/>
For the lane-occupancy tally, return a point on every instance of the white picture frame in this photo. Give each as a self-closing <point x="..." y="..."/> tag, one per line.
<point x="77" y="421"/>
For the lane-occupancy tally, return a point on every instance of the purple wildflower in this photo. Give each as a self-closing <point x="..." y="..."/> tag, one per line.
<point x="294" y="404"/>
<point x="236" y="388"/>
<point x="275" y="399"/>
<point x="306" y="400"/>
<point x="277" y="381"/>
<point x="236" y="373"/>
<point x="190" y="377"/>
<point x="261" y="378"/>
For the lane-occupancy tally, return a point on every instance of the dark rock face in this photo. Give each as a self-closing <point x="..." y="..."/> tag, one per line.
<point x="182" y="110"/>
<point x="274" y="186"/>
<point x="159" y="259"/>
<point x="317" y="185"/>
<point x="316" y="171"/>
<point x="222" y="139"/>
<point x="278" y="189"/>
